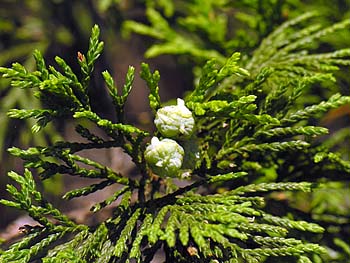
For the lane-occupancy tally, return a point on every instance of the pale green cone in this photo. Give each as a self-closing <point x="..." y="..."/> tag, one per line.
<point x="175" y="121"/>
<point x="164" y="157"/>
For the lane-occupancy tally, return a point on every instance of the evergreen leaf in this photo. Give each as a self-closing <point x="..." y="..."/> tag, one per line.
<point x="152" y="80"/>
<point x="122" y="244"/>
<point x="333" y="102"/>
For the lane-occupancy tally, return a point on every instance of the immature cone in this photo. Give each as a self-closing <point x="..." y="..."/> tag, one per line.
<point x="164" y="157"/>
<point x="175" y="121"/>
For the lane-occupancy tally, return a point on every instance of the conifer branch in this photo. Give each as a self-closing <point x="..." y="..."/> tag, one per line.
<point x="200" y="192"/>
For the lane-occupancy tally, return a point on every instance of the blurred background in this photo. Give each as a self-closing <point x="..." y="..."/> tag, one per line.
<point x="62" y="27"/>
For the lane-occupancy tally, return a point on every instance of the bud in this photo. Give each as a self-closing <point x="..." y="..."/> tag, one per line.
<point x="164" y="157"/>
<point x="175" y="121"/>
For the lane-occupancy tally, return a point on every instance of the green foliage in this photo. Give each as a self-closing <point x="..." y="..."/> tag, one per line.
<point x="255" y="140"/>
<point x="203" y="30"/>
<point x="198" y="32"/>
<point x="152" y="80"/>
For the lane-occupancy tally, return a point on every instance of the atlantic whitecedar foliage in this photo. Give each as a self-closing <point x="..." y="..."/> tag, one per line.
<point x="252" y="139"/>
